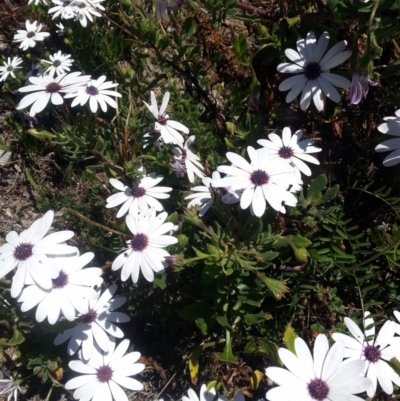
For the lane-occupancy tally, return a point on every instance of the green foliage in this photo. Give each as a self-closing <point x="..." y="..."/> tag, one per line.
<point x="246" y="285"/>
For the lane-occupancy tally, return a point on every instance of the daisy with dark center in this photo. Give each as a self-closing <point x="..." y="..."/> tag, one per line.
<point x="32" y="35"/>
<point x="185" y="155"/>
<point x="97" y="324"/>
<point x="168" y="129"/>
<point x="69" y="292"/>
<point x="322" y="378"/>
<point x="105" y="373"/>
<point x="375" y="350"/>
<point x="314" y="79"/>
<point x="9" y="67"/>
<point x="29" y="253"/>
<point x="291" y="149"/>
<point x="145" y="251"/>
<point x="59" y="64"/>
<point x="265" y="180"/>
<point x="84" y="10"/>
<point x="62" y="8"/>
<point x="97" y="93"/>
<point x="46" y="88"/>
<point x="142" y="195"/>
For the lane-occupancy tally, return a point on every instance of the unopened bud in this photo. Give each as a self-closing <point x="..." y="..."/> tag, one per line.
<point x="173" y="261"/>
<point x="126" y="70"/>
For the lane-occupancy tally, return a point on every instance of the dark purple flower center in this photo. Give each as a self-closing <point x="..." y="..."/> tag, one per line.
<point x="318" y="389"/>
<point x="89" y="317"/>
<point x="140" y="242"/>
<point x="66" y="3"/>
<point x="82" y="5"/>
<point x="104" y="374"/>
<point x="259" y="177"/>
<point x="56" y="63"/>
<point x="92" y="90"/>
<point x="138" y="192"/>
<point x="285" y="152"/>
<point x="10" y="68"/>
<point x="61" y="281"/>
<point x="23" y="251"/>
<point x="30" y="34"/>
<point x="53" y="87"/>
<point x="162" y="119"/>
<point x="312" y="70"/>
<point x="372" y="353"/>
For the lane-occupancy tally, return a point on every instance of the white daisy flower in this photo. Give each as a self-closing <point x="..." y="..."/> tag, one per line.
<point x="376" y="351"/>
<point x="9" y="67"/>
<point x="59" y="63"/>
<point x="141" y="196"/>
<point x="313" y="77"/>
<point x="96" y="324"/>
<point x="145" y="251"/>
<point x="84" y="11"/>
<point x="265" y="180"/>
<point x="390" y="127"/>
<point x="291" y="150"/>
<point x="97" y="92"/>
<point x="29" y="37"/>
<point x="324" y="378"/>
<point x="47" y="88"/>
<point x="62" y="8"/>
<point x="37" y="2"/>
<point x="29" y="251"/>
<point x="203" y="194"/>
<point x="204" y="395"/>
<point x="184" y="154"/>
<point x="104" y="373"/>
<point x="69" y="291"/>
<point x="9" y="387"/>
<point x="168" y="128"/>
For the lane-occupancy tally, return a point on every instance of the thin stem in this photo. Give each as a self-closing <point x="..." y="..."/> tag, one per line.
<point x="105" y="228"/>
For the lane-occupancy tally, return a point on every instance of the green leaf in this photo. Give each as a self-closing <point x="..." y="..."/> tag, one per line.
<point x="199" y="253"/>
<point x="268" y="256"/>
<point x="29" y="177"/>
<point x="160" y="280"/>
<point x="43" y="134"/>
<point x="257" y="317"/>
<point x="223" y="321"/>
<point x="331" y="193"/>
<point x="301" y="242"/>
<point x="317" y="185"/>
<point x="240" y="47"/>
<point x="16" y="339"/>
<point x="210" y="273"/>
<point x="395" y="364"/>
<point x="262" y="346"/>
<point x="197" y="310"/>
<point x="227" y="354"/>
<point x="189" y="26"/>
<point x="288" y="338"/>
